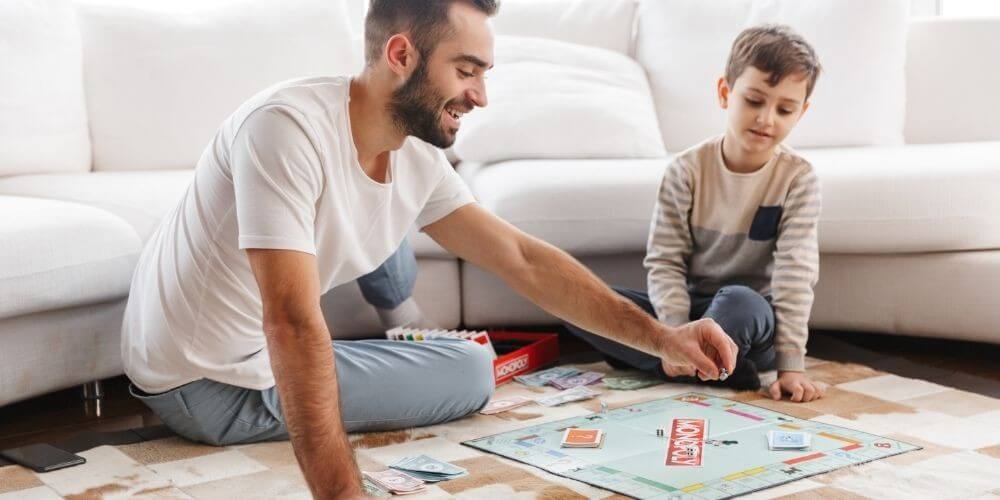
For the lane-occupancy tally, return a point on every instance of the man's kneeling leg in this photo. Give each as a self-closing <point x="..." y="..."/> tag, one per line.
<point x="384" y="385"/>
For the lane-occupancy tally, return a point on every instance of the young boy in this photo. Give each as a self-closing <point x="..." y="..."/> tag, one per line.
<point x="734" y="230"/>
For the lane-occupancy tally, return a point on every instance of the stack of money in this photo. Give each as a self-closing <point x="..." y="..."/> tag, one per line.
<point x="428" y="469"/>
<point x="630" y="383"/>
<point x="540" y="379"/>
<point x="572" y="381"/>
<point x="502" y="405"/>
<point x="372" y="489"/>
<point x="575" y="394"/>
<point x="395" y="481"/>
<point x="782" y="440"/>
<point x="417" y="335"/>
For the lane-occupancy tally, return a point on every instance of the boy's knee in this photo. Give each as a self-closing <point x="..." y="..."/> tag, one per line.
<point x="744" y="300"/>
<point x="745" y="315"/>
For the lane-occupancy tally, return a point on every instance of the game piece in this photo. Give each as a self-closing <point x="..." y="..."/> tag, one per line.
<point x="502" y="405"/>
<point x="575" y="394"/>
<point x="539" y="379"/>
<point x="582" y="438"/>
<point x="723" y="375"/>
<point x="604" y="408"/>
<point x="732" y="453"/>
<point x="572" y="381"/>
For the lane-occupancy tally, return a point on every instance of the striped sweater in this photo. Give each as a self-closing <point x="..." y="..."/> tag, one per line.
<point x="713" y="227"/>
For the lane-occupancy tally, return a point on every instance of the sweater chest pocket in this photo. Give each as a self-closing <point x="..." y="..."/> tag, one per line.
<point x="765" y="223"/>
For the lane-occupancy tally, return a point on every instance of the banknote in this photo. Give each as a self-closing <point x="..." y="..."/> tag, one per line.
<point x="630" y="383"/>
<point x="395" y="481"/>
<point x="572" y="381"/>
<point x="575" y="394"/>
<point x="428" y="469"/>
<point x="502" y="405"/>
<point x="539" y="379"/>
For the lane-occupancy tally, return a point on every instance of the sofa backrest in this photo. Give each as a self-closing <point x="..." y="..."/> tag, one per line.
<point x="859" y="99"/>
<point x="952" y="76"/>
<point x="607" y="24"/>
<point x="160" y="77"/>
<point x="156" y="79"/>
<point x="43" y="119"/>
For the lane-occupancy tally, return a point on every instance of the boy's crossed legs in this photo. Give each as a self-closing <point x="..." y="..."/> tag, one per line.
<point x="745" y="315"/>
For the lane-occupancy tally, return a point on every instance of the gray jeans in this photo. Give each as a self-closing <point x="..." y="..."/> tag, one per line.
<point x="384" y="385"/>
<point x="392" y="282"/>
<point x="745" y="315"/>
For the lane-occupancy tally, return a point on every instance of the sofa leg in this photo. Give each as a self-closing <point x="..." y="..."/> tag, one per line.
<point x="93" y="392"/>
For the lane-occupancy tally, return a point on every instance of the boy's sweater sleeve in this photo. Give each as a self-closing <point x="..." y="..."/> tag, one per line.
<point x="796" y="270"/>
<point x="669" y="247"/>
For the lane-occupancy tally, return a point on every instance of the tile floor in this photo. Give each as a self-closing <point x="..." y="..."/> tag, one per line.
<point x="940" y="367"/>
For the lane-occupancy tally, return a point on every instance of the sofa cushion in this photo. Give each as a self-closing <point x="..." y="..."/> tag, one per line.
<point x="608" y="24"/>
<point x="586" y="207"/>
<point x="161" y="78"/>
<point x="142" y="199"/>
<point x="139" y="198"/>
<point x="914" y="198"/>
<point x="55" y="254"/>
<point x="858" y="100"/>
<point x="552" y="99"/>
<point x="43" y="116"/>
<point x="921" y="198"/>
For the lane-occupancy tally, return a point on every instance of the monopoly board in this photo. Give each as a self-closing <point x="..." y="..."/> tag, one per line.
<point x="734" y="458"/>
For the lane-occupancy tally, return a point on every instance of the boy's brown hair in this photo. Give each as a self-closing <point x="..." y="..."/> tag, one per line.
<point x="774" y="49"/>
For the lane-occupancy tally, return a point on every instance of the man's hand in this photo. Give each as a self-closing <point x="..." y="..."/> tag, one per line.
<point x="562" y="286"/>
<point x="798" y="385"/>
<point x="698" y="348"/>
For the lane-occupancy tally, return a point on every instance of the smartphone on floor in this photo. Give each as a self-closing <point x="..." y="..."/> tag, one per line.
<point x="42" y="457"/>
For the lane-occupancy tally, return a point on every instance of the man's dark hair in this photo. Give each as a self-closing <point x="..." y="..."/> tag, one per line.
<point x="774" y="49"/>
<point x="426" y="21"/>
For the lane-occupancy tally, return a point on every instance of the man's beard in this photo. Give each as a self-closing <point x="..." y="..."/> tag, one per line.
<point x="416" y="108"/>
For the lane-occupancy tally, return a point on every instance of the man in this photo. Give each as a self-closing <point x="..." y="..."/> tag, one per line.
<point x="314" y="183"/>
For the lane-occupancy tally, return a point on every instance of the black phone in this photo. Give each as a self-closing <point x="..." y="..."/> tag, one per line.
<point x="42" y="457"/>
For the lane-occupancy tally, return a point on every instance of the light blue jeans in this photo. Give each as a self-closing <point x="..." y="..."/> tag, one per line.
<point x="384" y="385"/>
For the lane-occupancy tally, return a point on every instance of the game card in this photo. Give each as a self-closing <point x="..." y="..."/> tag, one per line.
<point x="582" y="438"/>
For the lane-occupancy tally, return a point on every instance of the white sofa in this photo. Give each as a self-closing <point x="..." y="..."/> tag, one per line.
<point x="107" y="105"/>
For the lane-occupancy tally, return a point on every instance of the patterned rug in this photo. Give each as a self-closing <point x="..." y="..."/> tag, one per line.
<point x="959" y="432"/>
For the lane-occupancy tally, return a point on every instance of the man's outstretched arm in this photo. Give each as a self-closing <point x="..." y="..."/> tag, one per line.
<point x="302" y="361"/>
<point x="565" y="288"/>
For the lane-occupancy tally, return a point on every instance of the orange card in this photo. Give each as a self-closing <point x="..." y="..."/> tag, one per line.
<point x="582" y="438"/>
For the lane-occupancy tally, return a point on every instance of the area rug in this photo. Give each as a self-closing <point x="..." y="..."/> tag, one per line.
<point x="958" y="431"/>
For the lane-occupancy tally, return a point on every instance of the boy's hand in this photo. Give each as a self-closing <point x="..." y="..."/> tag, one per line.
<point x="798" y="385"/>
<point x="698" y="348"/>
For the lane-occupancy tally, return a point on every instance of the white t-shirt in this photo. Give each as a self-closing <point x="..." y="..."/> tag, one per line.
<point x="282" y="173"/>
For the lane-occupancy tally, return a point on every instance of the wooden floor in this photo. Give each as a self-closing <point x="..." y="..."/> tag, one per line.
<point x="968" y="366"/>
